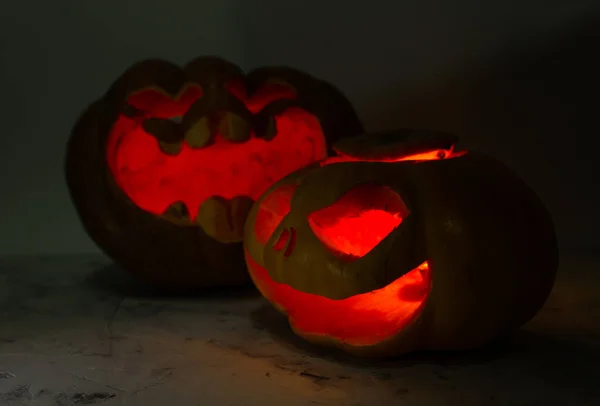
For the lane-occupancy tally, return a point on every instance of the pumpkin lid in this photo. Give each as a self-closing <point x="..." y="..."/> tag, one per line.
<point x="395" y="144"/>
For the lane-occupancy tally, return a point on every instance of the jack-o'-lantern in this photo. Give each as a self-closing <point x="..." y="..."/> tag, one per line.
<point x="401" y="243"/>
<point x="164" y="168"/>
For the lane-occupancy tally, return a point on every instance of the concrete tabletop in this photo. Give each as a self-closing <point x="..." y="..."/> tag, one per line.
<point x="76" y="330"/>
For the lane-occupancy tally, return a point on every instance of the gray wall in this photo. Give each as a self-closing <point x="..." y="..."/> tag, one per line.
<point x="514" y="78"/>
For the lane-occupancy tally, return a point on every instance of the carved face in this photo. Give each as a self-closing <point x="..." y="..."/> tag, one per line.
<point x="375" y="251"/>
<point x="165" y="167"/>
<point x="175" y="160"/>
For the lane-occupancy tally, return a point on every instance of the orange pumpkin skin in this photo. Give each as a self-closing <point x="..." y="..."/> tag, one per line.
<point x="163" y="169"/>
<point x="459" y="251"/>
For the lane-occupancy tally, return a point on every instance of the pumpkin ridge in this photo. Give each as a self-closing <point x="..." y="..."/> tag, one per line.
<point x="161" y="241"/>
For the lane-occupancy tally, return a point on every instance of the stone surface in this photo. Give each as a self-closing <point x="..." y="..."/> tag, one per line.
<point x="75" y="330"/>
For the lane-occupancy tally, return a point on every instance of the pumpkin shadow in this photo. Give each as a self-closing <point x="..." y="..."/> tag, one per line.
<point x="266" y="318"/>
<point x="557" y="361"/>
<point x="111" y="279"/>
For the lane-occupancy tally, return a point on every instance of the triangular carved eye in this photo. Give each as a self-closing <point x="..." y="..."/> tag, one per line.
<point x="271" y="212"/>
<point x="359" y="220"/>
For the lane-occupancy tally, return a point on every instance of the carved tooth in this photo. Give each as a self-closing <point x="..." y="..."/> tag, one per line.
<point x="234" y="128"/>
<point x="177" y="212"/>
<point x="213" y="217"/>
<point x="216" y="112"/>
<point x="163" y="129"/>
<point x="201" y="133"/>
<point x="167" y="133"/>
<point x="224" y="220"/>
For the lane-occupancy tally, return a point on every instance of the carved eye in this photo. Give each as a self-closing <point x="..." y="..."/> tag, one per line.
<point x="355" y="224"/>
<point x="158" y="105"/>
<point x="271" y="212"/>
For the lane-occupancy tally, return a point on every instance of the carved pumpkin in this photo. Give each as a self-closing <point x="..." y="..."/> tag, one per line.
<point x="399" y="244"/>
<point x="164" y="168"/>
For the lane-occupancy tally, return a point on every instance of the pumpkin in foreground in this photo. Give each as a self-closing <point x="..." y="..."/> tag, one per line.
<point x="401" y="243"/>
<point x="164" y="168"/>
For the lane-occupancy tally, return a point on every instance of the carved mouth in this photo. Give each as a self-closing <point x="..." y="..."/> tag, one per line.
<point x="360" y="320"/>
<point x="222" y="219"/>
<point x="172" y="155"/>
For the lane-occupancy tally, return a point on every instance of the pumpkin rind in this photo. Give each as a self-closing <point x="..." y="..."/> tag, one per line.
<point x="165" y="249"/>
<point x="488" y="240"/>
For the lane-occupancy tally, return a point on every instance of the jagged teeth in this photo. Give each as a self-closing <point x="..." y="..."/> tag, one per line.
<point x="229" y="125"/>
<point x="168" y="134"/>
<point x="217" y="112"/>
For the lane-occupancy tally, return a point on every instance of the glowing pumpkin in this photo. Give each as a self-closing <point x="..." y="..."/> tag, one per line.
<point x="164" y="168"/>
<point x="400" y="243"/>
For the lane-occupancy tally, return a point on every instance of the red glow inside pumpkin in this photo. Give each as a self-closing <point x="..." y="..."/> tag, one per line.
<point x="359" y="220"/>
<point x="363" y="319"/>
<point x="349" y="228"/>
<point x="271" y="212"/>
<point x="154" y="180"/>
<point x="432" y="155"/>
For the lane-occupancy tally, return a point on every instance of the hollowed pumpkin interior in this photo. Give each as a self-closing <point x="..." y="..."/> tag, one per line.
<point x="364" y="319"/>
<point x="355" y="224"/>
<point x="351" y="228"/>
<point x="154" y="180"/>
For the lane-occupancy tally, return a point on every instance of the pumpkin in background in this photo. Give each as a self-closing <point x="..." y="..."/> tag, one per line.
<point x="164" y="168"/>
<point x="401" y="243"/>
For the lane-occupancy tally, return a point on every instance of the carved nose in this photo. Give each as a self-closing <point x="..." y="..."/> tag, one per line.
<point x="285" y="242"/>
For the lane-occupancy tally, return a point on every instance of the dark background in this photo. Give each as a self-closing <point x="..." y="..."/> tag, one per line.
<point x="518" y="79"/>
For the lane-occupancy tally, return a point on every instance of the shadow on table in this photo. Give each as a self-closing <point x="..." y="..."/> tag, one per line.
<point x="113" y="280"/>
<point x="557" y="360"/>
